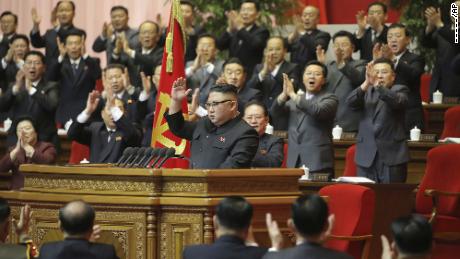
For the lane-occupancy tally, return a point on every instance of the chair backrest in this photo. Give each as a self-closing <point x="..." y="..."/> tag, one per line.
<point x="451" y="123"/>
<point x="442" y="173"/>
<point x="78" y="152"/>
<point x="353" y="207"/>
<point x="350" y="165"/>
<point x="425" y="87"/>
<point x="285" y="152"/>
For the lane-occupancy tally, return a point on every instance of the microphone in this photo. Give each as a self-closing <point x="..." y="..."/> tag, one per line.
<point x="169" y="153"/>
<point x="127" y="160"/>
<point x="161" y="153"/>
<point x="147" y="153"/>
<point x="126" y="153"/>
<point x="153" y="153"/>
<point x="140" y="154"/>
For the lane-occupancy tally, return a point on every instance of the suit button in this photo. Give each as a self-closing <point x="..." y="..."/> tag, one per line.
<point x="270" y="98"/>
<point x="207" y="136"/>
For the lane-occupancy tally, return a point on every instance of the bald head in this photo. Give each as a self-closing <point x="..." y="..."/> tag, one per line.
<point x="77" y="218"/>
<point x="310" y="17"/>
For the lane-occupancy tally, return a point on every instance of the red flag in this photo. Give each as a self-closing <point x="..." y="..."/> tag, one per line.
<point x="171" y="69"/>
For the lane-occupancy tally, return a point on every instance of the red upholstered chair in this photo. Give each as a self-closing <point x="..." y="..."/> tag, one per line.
<point x="353" y="207"/>
<point x="78" y="152"/>
<point x="451" y="123"/>
<point x="285" y="152"/>
<point x="438" y="198"/>
<point x="350" y="165"/>
<point x="425" y="87"/>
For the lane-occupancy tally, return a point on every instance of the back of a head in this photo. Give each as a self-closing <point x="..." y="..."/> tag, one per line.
<point x="77" y="218"/>
<point x="413" y="235"/>
<point x="5" y="210"/>
<point x="310" y="213"/>
<point x="234" y="213"/>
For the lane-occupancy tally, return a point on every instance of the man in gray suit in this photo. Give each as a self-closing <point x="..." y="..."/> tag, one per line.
<point x="311" y="224"/>
<point x="311" y="117"/>
<point x="381" y="151"/>
<point x="344" y="75"/>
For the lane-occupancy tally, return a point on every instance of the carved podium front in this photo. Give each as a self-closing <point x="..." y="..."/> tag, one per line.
<point x="151" y="213"/>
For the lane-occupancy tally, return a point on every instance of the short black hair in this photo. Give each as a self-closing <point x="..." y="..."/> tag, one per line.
<point x="77" y="222"/>
<point x="20" y="36"/>
<point x="119" y="7"/>
<point x="347" y="34"/>
<point x="186" y="2"/>
<point x="234" y="213"/>
<point x="206" y="35"/>
<point x="317" y="63"/>
<point x="283" y="40"/>
<point x="385" y="61"/>
<point x="412" y="234"/>
<point x="5" y="210"/>
<point x="310" y="214"/>
<point x="79" y="33"/>
<point x="5" y="13"/>
<point x="36" y="53"/>
<point x="234" y="61"/>
<point x="152" y="22"/>
<point x="255" y="2"/>
<point x="225" y="89"/>
<point x="21" y="119"/>
<point x="400" y="26"/>
<point x="257" y="103"/>
<point x="71" y="3"/>
<point x="115" y="66"/>
<point x="384" y="6"/>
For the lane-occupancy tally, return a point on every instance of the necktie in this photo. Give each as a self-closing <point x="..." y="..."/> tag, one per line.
<point x="74" y="68"/>
<point x="111" y="133"/>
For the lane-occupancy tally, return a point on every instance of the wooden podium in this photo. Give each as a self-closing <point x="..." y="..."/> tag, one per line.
<point x="151" y="213"/>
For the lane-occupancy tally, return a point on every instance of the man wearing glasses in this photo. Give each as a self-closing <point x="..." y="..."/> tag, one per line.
<point x="220" y="140"/>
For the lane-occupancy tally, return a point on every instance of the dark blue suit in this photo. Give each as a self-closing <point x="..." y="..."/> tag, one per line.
<point x="77" y="249"/>
<point x="270" y="152"/>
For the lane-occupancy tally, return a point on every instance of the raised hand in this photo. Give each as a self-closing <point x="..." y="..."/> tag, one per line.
<point x="288" y="87"/>
<point x="433" y="17"/>
<point x="195" y="101"/>
<point x="320" y="54"/>
<point x="28" y="149"/>
<point x="10" y="54"/>
<point x="118" y="45"/>
<point x="14" y="152"/>
<point x="221" y="80"/>
<point x="179" y="90"/>
<point x="92" y="102"/>
<point x="370" y="76"/>
<point x="146" y="82"/>
<point x="126" y="79"/>
<point x="273" y="231"/>
<point x="105" y="28"/>
<point x="83" y="45"/>
<point x="20" y="80"/>
<point x="231" y="18"/>
<point x="21" y="227"/>
<point x="96" y="234"/>
<point x="361" y="20"/>
<point x="377" y="51"/>
<point x="36" y="19"/>
<point x="386" y="249"/>
<point x="61" y="47"/>
<point x="386" y="52"/>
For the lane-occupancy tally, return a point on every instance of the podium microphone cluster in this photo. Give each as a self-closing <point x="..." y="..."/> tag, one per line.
<point x="145" y="157"/>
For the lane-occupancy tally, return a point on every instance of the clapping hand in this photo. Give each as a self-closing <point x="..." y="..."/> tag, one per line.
<point x="178" y="90"/>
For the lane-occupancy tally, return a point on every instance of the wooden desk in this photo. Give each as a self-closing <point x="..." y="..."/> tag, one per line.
<point x="416" y="165"/>
<point x="435" y="123"/>
<point x="391" y="201"/>
<point x="152" y="213"/>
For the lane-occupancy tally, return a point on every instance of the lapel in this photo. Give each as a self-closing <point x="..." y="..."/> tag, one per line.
<point x="302" y="114"/>
<point x="335" y="77"/>
<point x="379" y="104"/>
<point x="81" y="72"/>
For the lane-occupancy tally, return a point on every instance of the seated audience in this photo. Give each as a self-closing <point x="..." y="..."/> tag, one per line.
<point x="220" y="140"/>
<point x="9" y="24"/>
<point x="25" y="248"/>
<point x="270" y="150"/>
<point x="413" y="239"/>
<point x="76" y="220"/>
<point x="231" y="222"/>
<point x="311" y="118"/>
<point x="28" y="150"/>
<point x="311" y="223"/>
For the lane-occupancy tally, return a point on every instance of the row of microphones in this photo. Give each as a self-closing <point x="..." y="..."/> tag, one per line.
<point x="145" y="157"/>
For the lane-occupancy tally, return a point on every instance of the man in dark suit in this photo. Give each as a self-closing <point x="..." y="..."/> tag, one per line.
<point x="306" y="38"/>
<point x="344" y="75"/>
<point x="76" y="73"/>
<point x="409" y="68"/>
<point x="8" y="24"/>
<point x="311" y="117"/>
<point x="142" y="59"/>
<point x="220" y="140"/>
<point x="312" y="224"/>
<point x="270" y="152"/>
<point x="371" y="29"/>
<point x="203" y="72"/>
<point x="119" y="17"/>
<point x="231" y="222"/>
<point x="109" y="138"/>
<point x="268" y="76"/>
<point x="13" y="60"/>
<point x="381" y="151"/>
<point x="25" y="249"/>
<point x="443" y="77"/>
<point x="65" y="12"/>
<point x="244" y="38"/>
<point x="33" y="96"/>
<point x="192" y="29"/>
<point x="76" y="220"/>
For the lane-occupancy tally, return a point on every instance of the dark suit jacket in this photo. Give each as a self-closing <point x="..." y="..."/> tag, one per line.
<point x="443" y="78"/>
<point x="203" y="80"/>
<point x="408" y="72"/>
<point x="95" y="135"/>
<point x="382" y="126"/>
<point x="41" y="106"/>
<point x="77" y="249"/>
<point x="192" y="41"/>
<point x="341" y="82"/>
<point x="270" y="152"/>
<point x="10" y="251"/>
<point x="271" y="87"/>
<point x="8" y="75"/>
<point x="232" y="145"/>
<point x="145" y="114"/>
<point x="108" y="45"/>
<point x="225" y="247"/>
<point x="74" y="90"/>
<point x="365" y="44"/>
<point x="307" y="251"/>
<point x="48" y="41"/>
<point x="248" y="46"/>
<point x="310" y="130"/>
<point x="303" y="49"/>
<point x="246" y="95"/>
<point x="5" y="45"/>
<point x="45" y="153"/>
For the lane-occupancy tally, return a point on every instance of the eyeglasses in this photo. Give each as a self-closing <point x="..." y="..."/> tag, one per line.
<point x="33" y="63"/>
<point x="214" y="104"/>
